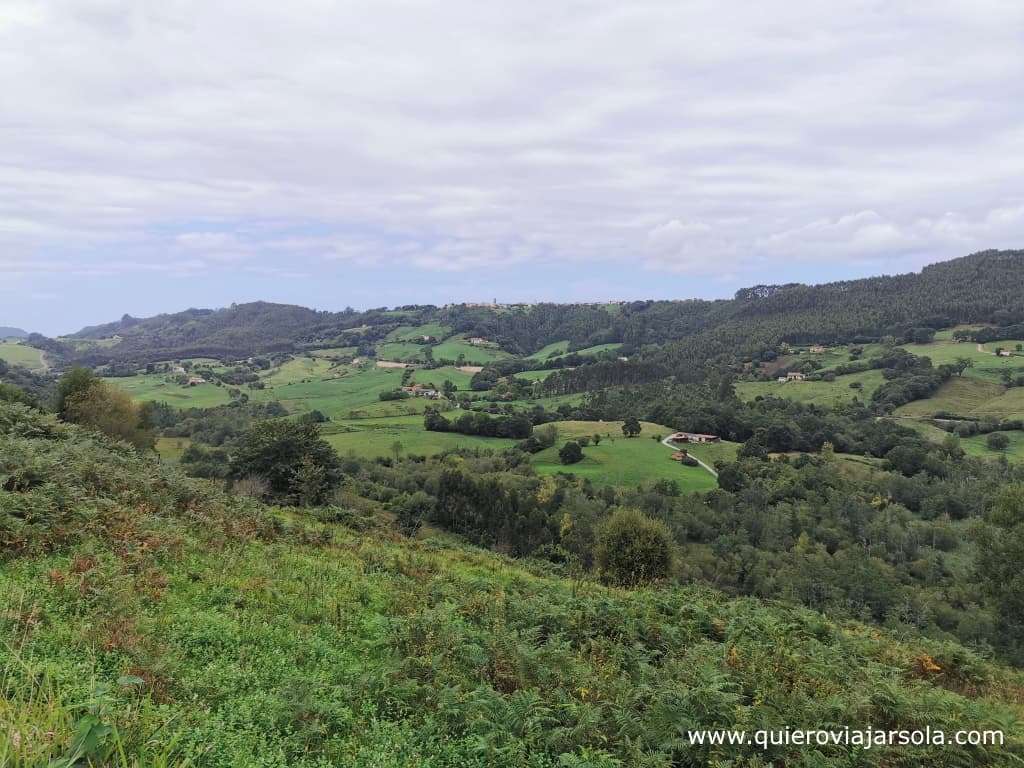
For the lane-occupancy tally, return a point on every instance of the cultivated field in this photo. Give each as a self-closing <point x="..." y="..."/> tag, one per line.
<point x="450" y="349"/>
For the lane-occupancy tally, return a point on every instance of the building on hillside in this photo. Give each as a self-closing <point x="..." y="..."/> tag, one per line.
<point x="782" y="379"/>
<point x="1004" y="353"/>
<point x="418" y="390"/>
<point x="817" y="349"/>
<point x="195" y="381"/>
<point x="795" y="376"/>
<point x="177" y="369"/>
<point x="476" y="341"/>
<point x="693" y="437"/>
<point x="679" y="455"/>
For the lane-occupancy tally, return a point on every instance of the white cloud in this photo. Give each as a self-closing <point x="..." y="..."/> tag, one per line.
<point x="189" y="136"/>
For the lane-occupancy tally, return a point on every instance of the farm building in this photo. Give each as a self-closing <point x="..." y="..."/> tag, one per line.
<point x="693" y="437"/>
<point x="195" y="381"/>
<point x="1005" y="353"/>
<point x="782" y="379"/>
<point x="795" y="376"/>
<point x="679" y="455"/>
<point x="417" y="390"/>
<point x="817" y="349"/>
<point x="476" y="341"/>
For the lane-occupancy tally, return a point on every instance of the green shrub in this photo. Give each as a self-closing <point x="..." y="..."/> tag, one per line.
<point x="633" y="549"/>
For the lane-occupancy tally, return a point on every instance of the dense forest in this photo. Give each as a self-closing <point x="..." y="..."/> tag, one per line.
<point x="983" y="287"/>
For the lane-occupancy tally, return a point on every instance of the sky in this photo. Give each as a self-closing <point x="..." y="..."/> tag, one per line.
<point x="156" y="156"/>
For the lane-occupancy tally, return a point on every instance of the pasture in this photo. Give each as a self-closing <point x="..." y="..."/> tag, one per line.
<point x="373" y="437"/>
<point x="551" y="350"/>
<point x="960" y="395"/>
<point x="157" y="387"/>
<point x="414" y="332"/>
<point x="437" y="376"/>
<point x="985" y="365"/>
<point x="826" y="393"/>
<point x="452" y="348"/>
<point x="16" y="353"/>
<point x="711" y="453"/>
<point x="402" y="351"/>
<point x="618" y="460"/>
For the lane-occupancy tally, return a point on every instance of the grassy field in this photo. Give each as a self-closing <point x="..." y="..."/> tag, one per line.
<point x="621" y="461"/>
<point x="710" y="453"/>
<point x="333" y="352"/>
<point x="1009" y="405"/>
<point x="171" y="448"/>
<point x="595" y="350"/>
<point x="437" y="376"/>
<point x="827" y="393"/>
<point x="409" y="332"/>
<point x="297" y="369"/>
<point x="975" y="445"/>
<point x="987" y="366"/>
<point x="403" y="351"/>
<point x="534" y="375"/>
<point x="376" y="437"/>
<point x="960" y="395"/>
<point x="354" y="389"/>
<point x="551" y="350"/>
<point x="450" y="349"/>
<point x="156" y="387"/>
<point x="15" y="353"/>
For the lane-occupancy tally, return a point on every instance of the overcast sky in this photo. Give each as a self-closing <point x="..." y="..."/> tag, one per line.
<point x="161" y="155"/>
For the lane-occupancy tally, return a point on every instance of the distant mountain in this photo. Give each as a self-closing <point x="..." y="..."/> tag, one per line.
<point x="985" y="287"/>
<point x="7" y="332"/>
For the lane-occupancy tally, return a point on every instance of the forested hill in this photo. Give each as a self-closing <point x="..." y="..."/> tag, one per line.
<point x="984" y="287"/>
<point x="7" y="332"/>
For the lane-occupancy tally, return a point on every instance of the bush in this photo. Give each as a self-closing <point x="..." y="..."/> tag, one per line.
<point x="633" y="549"/>
<point x="570" y="453"/>
<point x="997" y="441"/>
<point x="298" y="465"/>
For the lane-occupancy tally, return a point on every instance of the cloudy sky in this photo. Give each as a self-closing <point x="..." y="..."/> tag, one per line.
<point x="160" y="155"/>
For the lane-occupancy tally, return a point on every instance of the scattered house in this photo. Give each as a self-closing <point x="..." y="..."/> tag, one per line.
<point x="623" y="359"/>
<point x="476" y="341"/>
<point x="795" y="376"/>
<point x="195" y="381"/>
<point x="817" y="349"/>
<point x="782" y="379"/>
<point x="1005" y="353"/>
<point x="693" y="437"/>
<point x="418" y="390"/>
<point x="177" y="369"/>
<point x="679" y="455"/>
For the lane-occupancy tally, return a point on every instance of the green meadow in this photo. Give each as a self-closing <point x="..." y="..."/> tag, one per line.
<point x="437" y="377"/>
<point x="412" y="332"/>
<point x="450" y="349"/>
<point x="16" y="353"/>
<point x="618" y="460"/>
<point x="827" y="393"/>
<point x="402" y="351"/>
<point x="155" y="387"/>
<point x="373" y="437"/>
<point x="551" y="350"/>
<point x="986" y="366"/>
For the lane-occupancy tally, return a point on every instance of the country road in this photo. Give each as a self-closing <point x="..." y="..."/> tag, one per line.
<point x="668" y="444"/>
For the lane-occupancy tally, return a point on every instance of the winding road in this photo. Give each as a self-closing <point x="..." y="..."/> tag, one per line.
<point x="668" y="444"/>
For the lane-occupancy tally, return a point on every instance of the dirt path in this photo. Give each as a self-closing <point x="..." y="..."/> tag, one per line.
<point x="668" y="444"/>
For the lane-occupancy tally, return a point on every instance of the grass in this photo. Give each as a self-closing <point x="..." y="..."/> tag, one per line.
<point x="710" y="453"/>
<point x="16" y="353"/>
<point x="826" y="393"/>
<point x="987" y="367"/>
<point x="338" y="397"/>
<point x="410" y="332"/>
<point x="370" y="438"/>
<point x="156" y="387"/>
<point x="551" y="350"/>
<point x="592" y="351"/>
<point x="961" y="395"/>
<point x="534" y="375"/>
<point x="975" y="445"/>
<point x="618" y="460"/>
<point x="1009" y="405"/>
<point x="333" y="352"/>
<point x="171" y="448"/>
<point x="450" y="349"/>
<point x="437" y="376"/>
<point x="402" y="351"/>
<point x="296" y="370"/>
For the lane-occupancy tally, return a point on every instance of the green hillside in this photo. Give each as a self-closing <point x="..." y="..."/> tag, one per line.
<point x="151" y="620"/>
<point x="16" y="353"/>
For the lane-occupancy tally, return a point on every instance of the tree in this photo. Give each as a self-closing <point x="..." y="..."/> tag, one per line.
<point x="1001" y="560"/>
<point x="396" y="449"/>
<point x="631" y="427"/>
<point x="448" y="388"/>
<point x="962" y="364"/>
<point x="633" y="549"/>
<point x="596" y="438"/>
<point x="74" y="382"/>
<point x="106" y="409"/>
<point x="297" y="464"/>
<point x="997" y="441"/>
<point x="570" y="453"/>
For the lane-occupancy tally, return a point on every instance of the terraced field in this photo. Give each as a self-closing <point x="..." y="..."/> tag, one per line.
<point x="961" y="395"/>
